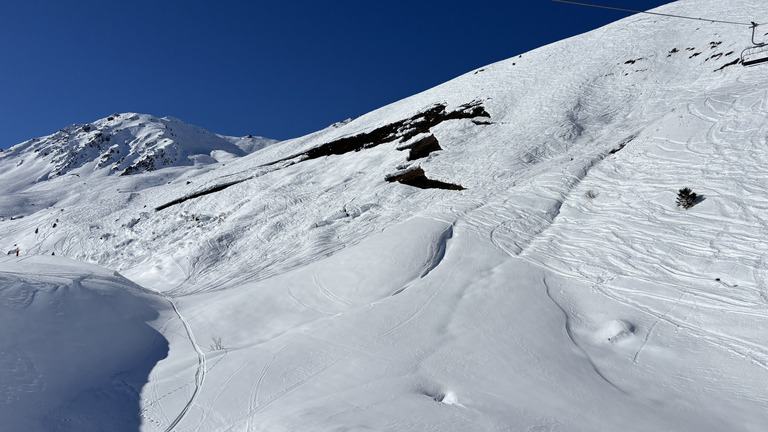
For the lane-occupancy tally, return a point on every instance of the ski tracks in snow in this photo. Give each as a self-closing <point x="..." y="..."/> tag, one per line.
<point x="222" y="388"/>
<point x="256" y="405"/>
<point x="253" y="398"/>
<point x="330" y="295"/>
<point x="747" y="350"/>
<point x="199" y="374"/>
<point x="653" y="327"/>
<point x="706" y="260"/>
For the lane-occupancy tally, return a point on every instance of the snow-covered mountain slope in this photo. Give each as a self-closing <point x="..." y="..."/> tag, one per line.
<point x="502" y="251"/>
<point x="76" y="345"/>
<point x="121" y="144"/>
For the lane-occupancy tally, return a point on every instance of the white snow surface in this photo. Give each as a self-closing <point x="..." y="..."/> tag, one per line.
<point x="76" y="345"/>
<point x="123" y="144"/>
<point x="284" y="290"/>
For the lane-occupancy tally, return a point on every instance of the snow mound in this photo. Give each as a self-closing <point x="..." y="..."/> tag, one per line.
<point x="383" y="265"/>
<point x="613" y="331"/>
<point x="450" y="398"/>
<point x="75" y="346"/>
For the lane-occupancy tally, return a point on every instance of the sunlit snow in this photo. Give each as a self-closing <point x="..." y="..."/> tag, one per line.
<point x="227" y="284"/>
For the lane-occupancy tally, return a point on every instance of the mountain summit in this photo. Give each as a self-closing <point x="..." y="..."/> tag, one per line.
<point x="126" y="144"/>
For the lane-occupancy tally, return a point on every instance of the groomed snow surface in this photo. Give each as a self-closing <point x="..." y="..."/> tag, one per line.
<point x="248" y="285"/>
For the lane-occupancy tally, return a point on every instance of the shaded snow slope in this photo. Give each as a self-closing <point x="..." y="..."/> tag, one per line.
<point x="76" y="346"/>
<point x="334" y="281"/>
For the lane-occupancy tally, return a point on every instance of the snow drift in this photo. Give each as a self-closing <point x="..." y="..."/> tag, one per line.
<point x="77" y="346"/>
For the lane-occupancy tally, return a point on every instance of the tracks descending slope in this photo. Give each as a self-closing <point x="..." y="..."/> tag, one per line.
<point x="199" y="374"/>
<point x="201" y="365"/>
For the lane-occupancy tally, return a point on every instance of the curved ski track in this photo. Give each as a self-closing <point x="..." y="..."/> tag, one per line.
<point x="201" y="367"/>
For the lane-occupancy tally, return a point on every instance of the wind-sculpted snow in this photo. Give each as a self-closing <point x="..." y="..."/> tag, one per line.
<point x="675" y="270"/>
<point x="556" y="287"/>
<point x="76" y="346"/>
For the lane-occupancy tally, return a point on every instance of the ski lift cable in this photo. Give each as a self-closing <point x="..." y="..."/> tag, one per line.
<point x="751" y="24"/>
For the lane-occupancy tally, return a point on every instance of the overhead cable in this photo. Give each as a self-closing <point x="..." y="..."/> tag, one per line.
<point x="751" y="24"/>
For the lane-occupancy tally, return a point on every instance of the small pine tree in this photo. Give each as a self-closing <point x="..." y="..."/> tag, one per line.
<point x="686" y="198"/>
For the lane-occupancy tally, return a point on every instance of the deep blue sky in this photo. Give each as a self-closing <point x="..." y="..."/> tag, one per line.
<point x="280" y="69"/>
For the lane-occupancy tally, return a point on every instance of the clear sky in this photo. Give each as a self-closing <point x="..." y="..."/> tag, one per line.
<point x="279" y="69"/>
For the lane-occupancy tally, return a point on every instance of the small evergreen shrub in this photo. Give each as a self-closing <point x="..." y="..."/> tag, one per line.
<point x="686" y="198"/>
<point x="216" y="344"/>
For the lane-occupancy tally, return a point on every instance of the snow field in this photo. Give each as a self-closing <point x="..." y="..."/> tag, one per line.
<point x="695" y="273"/>
<point x="561" y="290"/>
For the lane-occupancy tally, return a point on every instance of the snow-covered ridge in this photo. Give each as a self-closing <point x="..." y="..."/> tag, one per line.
<point x="130" y="143"/>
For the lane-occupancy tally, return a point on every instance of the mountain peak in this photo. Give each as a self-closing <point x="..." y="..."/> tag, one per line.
<point x="128" y="143"/>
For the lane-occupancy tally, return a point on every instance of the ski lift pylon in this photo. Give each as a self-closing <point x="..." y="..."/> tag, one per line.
<point x="757" y="53"/>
